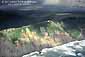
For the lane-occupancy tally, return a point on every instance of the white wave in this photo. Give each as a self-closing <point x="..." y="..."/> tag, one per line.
<point x="70" y="49"/>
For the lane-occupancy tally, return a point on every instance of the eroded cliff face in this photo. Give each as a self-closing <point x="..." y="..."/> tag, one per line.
<point x="8" y="49"/>
<point x="72" y="49"/>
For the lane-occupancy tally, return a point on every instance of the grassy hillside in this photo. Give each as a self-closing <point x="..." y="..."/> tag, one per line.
<point x="49" y="33"/>
<point x="26" y="39"/>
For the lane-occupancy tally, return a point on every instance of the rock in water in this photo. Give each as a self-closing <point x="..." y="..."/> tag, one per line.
<point x="72" y="49"/>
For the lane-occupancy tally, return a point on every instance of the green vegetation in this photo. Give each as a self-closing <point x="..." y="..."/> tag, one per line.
<point x="42" y="33"/>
